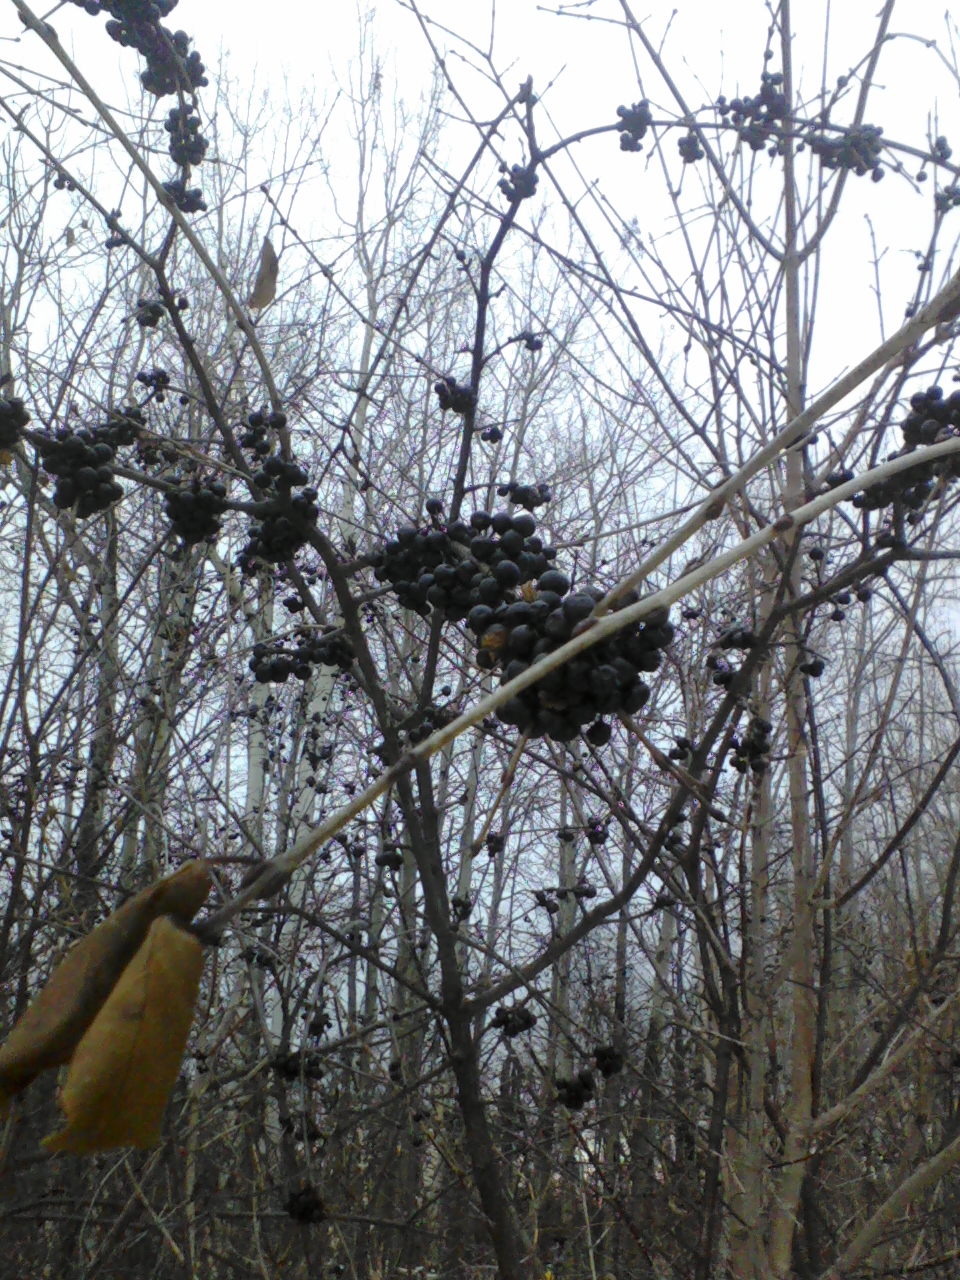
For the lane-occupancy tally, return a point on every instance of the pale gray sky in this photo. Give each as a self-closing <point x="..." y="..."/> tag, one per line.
<point x="709" y="48"/>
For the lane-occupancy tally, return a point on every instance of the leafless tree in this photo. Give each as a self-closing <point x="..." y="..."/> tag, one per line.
<point x="510" y="967"/>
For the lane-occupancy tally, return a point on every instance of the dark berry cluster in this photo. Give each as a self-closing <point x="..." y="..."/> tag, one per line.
<point x="546" y="898"/>
<point x="603" y="680"/>
<point x="513" y="1022"/>
<point x="432" y="719"/>
<point x="187" y="199"/>
<point x="933" y="418"/>
<point x="723" y="673"/>
<point x="13" y="418"/>
<point x="576" y="1093"/>
<point x="461" y="566"/>
<point x="597" y="831"/>
<point x="171" y="66"/>
<point x="149" y="312"/>
<point x="609" y="1060"/>
<point x="813" y="667"/>
<point x="543" y="899"/>
<point x="122" y="427"/>
<point x="187" y="145"/>
<point x="156" y="381"/>
<point x="391" y="858"/>
<point x="753" y="749"/>
<point x="275" y="473"/>
<point x="673" y="841"/>
<point x="856" y="149"/>
<point x="521" y="183"/>
<point x="528" y="496"/>
<point x="690" y="148"/>
<point x="736" y="637"/>
<point x="275" y="664"/>
<point x="62" y="183"/>
<point x="82" y="465"/>
<point x="759" y="119"/>
<point x="733" y="637"/>
<point x="305" y="1204"/>
<point x="297" y="1064"/>
<point x="195" y="510"/>
<point x="280" y="534"/>
<point x="259" y="422"/>
<point x="460" y="908"/>
<point x="839" y="600"/>
<point x="635" y="120"/>
<point x="451" y="395"/>
<point x="320" y="1021"/>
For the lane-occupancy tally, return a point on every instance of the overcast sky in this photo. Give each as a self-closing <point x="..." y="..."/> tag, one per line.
<point x="710" y="48"/>
<point x="589" y="68"/>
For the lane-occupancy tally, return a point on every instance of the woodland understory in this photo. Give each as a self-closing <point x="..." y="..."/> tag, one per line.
<point x="525" y="605"/>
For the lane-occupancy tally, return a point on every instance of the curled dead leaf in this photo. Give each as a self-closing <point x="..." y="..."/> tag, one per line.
<point x="182" y="894"/>
<point x="265" y="285"/>
<point x="124" y="1068"/>
<point x="51" y="1027"/>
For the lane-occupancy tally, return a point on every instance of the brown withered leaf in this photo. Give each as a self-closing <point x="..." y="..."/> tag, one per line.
<point x="51" y="1027"/>
<point x="121" y="1075"/>
<point x="265" y="285"/>
<point x="182" y="894"/>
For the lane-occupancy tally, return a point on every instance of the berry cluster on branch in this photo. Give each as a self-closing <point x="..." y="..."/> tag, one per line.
<point x="603" y="680"/>
<point x="933" y="418"/>
<point x="513" y="1022"/>
<point x="13" y="418"/>
<point x="459" y="566"/>
<point x="609" y="1060"/>
<point x="187" y="199"/>
<point x="195" y="510"/>
<point x="521" y="183"/>
<point x="258" y="423"/>
<point x="172" y="68"/>
<point x="856" y="149"/>
<point x="135" y="24"/>
<point x="454" y="397"/>
<point x="187" y="145"/>
<point x="82" y="464"/>
<point x="280" y="534"/>
<point x="635" y="120"/>
<point x="276" y="663"/>
<point x="575" y="1093"/>
<point x="752" y="751"/>
<point x="759" y="120"/>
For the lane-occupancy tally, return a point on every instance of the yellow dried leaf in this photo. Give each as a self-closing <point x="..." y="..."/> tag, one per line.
<point x="51" y="1027"/>
<point x="265" y="285"/>
<point x="182" y="894"/>
<point x="125" y="1066"/>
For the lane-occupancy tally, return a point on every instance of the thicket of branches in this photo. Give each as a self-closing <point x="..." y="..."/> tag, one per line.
<point x="560" y="686"/>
